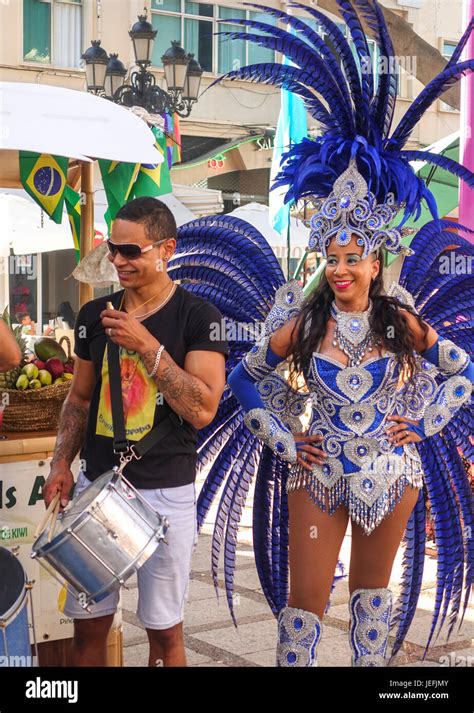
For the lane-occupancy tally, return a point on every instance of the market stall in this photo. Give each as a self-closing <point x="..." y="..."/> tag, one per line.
<point x="83" y="128"/>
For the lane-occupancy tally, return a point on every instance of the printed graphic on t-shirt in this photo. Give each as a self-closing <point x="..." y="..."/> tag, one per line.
<point x="138" y="395"/>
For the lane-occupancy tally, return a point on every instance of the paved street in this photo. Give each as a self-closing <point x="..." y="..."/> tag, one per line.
<point x="212" y="640"/>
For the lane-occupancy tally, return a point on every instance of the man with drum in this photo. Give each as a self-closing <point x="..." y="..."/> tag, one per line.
<point x="168" y="359"/>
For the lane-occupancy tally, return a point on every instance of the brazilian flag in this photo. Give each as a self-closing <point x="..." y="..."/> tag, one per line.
<point x="118" y="179"/>
<point x="44" y="178"/>
<point x="73" y="207"/>
<point x="154" y="179"/>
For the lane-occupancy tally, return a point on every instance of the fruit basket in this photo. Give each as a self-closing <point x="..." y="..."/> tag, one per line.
<point x="33" y="409"/>
<point x="33" y="393"/>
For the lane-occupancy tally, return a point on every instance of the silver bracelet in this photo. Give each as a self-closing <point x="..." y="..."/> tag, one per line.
<point x="159" y="352"/>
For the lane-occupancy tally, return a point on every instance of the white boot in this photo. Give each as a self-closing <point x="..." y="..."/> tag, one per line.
<point x="370" y="614"/>
<point x="299" y="633"/>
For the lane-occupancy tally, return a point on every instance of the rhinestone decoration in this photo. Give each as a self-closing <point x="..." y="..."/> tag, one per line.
<point x="299" y="633"/>
<point x="402" y="294"/>
<point x="284" y="401"/>
<point x="357" y="417"/>
<point x="272" y="432"/>
<point x="413" y="399"/>
<point x="289" y="299"/>
<point x="354" y="382"/>
<point x="449" y="397"/>
<point x="351" y="209"/>
<point x="452" y="359"/>
<point x="360" y="450"/>
<point x="352" y="334"/>
<point x="255" y="361"/>
<point x="328" y="473"/>
<point x="370" y="615"/>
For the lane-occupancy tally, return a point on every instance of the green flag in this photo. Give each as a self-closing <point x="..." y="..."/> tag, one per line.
<point x="118" y="179"/>
<point x="154" y="179"/>
<point x="73" y="207"/>
<point x="44" y="178"/>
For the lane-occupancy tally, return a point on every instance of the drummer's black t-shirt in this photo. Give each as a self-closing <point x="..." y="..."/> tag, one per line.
<point x="184" y="324"/>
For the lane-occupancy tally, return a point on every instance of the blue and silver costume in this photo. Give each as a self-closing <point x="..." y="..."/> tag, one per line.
<point x="357" y="175"/>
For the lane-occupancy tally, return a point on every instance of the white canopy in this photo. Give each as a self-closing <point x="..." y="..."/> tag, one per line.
<point x="257" y="215"/>
<point x="66" y="122"/>
<point x="22" y="231"/>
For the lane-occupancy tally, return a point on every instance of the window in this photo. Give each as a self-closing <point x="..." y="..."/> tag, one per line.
<point x="52" y="32"/>
<point x="447" y="52"/>
<point x="198" y="32"/>
<point x="194" y="24"/>
<point x="231" y="53"/>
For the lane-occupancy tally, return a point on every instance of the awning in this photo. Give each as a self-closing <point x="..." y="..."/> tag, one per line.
<point x="200" y="201"/>
<point x="66" y="122"/>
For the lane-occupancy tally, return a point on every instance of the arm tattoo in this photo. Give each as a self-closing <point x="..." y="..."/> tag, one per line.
<point x="181" y="390"/>
<point x="71" y="432"/>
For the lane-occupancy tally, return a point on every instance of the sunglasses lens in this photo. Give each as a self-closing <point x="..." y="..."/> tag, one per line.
<point x="127" y="250"/>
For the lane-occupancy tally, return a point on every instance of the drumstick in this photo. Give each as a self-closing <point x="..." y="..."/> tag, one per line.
<point x="53" y="520"/>
<point x="47" y="514"/>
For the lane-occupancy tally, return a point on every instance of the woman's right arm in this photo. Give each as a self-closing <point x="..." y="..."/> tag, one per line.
<point x="260" y="361"/>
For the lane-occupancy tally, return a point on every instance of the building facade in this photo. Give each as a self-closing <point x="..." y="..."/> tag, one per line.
<point x="42" y="41"/>
<point x="228" y="139"/>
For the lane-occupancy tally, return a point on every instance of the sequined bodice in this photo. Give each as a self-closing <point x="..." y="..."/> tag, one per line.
<point x="350" y="406"/>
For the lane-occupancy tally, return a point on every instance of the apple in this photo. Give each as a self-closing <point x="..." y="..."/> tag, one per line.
<point x="55" y="367"/>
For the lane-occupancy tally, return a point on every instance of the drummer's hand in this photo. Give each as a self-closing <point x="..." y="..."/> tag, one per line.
<point x="127" y="332"/>
<point x="307" y="453"/>
<point x="60" y="480"/>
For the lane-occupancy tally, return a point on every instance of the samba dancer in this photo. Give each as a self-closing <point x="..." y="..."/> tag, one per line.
<point x="386" y="372"/>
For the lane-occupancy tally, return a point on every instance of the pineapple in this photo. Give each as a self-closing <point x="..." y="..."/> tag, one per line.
<point x="8" y="379"/>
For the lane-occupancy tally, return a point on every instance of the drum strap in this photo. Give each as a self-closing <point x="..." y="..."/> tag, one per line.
<point x="121" y="444"/>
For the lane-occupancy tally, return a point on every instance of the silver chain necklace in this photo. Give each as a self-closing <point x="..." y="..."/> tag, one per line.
<point x="353" y="334"/>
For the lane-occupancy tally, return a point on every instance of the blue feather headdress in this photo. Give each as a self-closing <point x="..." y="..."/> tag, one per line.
<point x="355" y="117"/>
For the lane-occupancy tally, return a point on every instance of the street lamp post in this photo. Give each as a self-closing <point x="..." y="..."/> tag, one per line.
<point x="105" y="75"/>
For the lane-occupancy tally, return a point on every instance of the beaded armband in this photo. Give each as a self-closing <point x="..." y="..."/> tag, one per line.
<point x="415" y="396"/>
<point x="452" y="359"/>
<point x="450" y="396"/>
<point x="272" y="432"/>
<point x="289" y="299"/>
<point x="255" y="361"/>
<point x="283" y="401"/>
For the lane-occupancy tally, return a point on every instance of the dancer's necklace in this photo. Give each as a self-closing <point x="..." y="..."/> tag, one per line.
<point x="352" y="333"/>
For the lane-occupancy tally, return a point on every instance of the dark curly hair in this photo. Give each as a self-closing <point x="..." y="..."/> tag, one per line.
<point x="388" y="323"/>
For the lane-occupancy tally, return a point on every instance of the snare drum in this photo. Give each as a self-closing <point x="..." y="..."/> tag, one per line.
<point x="15" y="649"/>
<point x="106" y="535"/>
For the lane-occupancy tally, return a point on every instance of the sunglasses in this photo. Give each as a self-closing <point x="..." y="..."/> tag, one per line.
<point x="131" y="251"/>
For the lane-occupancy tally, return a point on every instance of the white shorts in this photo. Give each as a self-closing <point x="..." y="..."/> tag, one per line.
<point x="163" y="581"/>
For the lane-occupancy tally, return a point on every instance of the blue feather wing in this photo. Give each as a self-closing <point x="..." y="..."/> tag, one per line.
<point x="445" y="299"/>
<point x="229" y="263"/>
